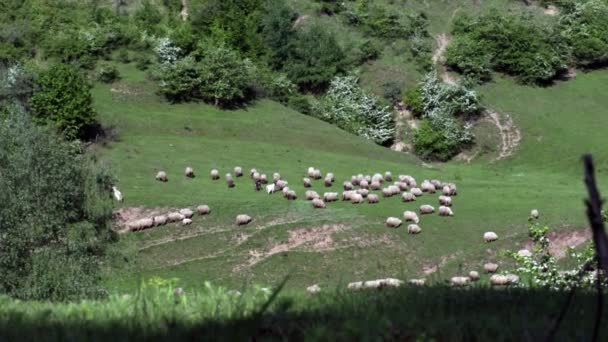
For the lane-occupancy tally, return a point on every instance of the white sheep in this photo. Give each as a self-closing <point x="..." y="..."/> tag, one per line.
<point x="203" y="209"/>
<point x="316" y="174"/>
<point x="490" y="236"/>
<point x="534" y="214"/>
<point x="386" y="192"/>
<point x="363" y="192"/>
<point x="311" y="172"/>
<point x="375" y="185"/>
<point x="276" y="177"/>
<point x="280" y="185"/>
<point x="354" y="180"/>
<point x="524" y="253"/>
<point x="402" y="186"/>
<point x="290" y="195"/>
<point x="270" y="188"/>
<point x="117" y="194"/>
<point x="187" y="212"/>
<point x="445" y="200"/>
<point x="474" y="275"/>
<point x="413" y="229"/>
<point x="330" y="176"/>
<point x="186" y="222"/>
<point x="393" y="222"/>
<point x="408" y="197"/>
<point x="449" y="190"/>
<point x="229" y="180"/>
<point x="243" y="219"/>
<point x="256" y="176"/>
<point x="252" y="172"/>
<point x="348" y="185"/>
<point x="364" y="184"/>
<point x="368" y="178"/>
<point x="426" y="186"/>
<point x="285" y="190"/>
<point x="160" y="220"/>
<point x="410" y="216"/>
<point x="498" y="279"/>
<point x="314" y="289"/>
<point x="161" y="176"/>
<point x="490" y="267"/>
<point x="372" y="199"/>
<point x="356" y="198"/>
<point x="318" y="203"/>
<point x="459" y="281"/>
<point x="417" y="282"/>
<point x="311" y="195"/>
<point x="330" y="196"/>
<point x="377" y="178"/>
<point x="426" y="209"/>
<point x="436" y="183"/>
<point x="328" y="182"/>
<point x="141" y="224"/>
<point x="238" y="171"/>
<point x="394" y="189"/>
<point x="375" y="284"/>
<point x="388" y="176"/>
<point x="263" y="179"/>
<point x="445" y="211"/>
<point x="416" y="191"/>
<point x="175" y="217"/>
<point x="346" y="195"/>
<point x="215" y="174"/>
<point x="189" y="172"/>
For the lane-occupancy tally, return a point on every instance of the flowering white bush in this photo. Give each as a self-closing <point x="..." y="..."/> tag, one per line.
<point x="166" y="52"/>
<point x="353" y="110"/>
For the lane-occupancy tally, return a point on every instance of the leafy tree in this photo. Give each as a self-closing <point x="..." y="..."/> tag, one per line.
<point x="108" y="73"/>
<point x="277" y="30"/>
<point x="179" y="81"/>
<point x="585" y="27"/>
<point x="55" y="214"/>
<point x="63" y="98"/>
<point x="314" y="59"/>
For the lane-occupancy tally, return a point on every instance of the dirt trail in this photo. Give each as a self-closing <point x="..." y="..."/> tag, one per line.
<point x="510" y="136"/>
<point x="403" y="116"/>
<point x="442" y="44"/>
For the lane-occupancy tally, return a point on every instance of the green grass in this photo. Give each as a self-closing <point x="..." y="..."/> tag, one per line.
<point x="497" y="196"/>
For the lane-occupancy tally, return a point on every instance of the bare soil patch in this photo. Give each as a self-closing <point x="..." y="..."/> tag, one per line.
<point x="560" y="241"/>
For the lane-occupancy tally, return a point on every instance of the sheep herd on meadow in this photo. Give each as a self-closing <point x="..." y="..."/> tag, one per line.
<point x="356" y="190"/>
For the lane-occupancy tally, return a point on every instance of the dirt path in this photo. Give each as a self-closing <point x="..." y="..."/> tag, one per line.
<point x="510" y="136"/>
<point x="438" y="59"/>
<point x="403" y="117"/>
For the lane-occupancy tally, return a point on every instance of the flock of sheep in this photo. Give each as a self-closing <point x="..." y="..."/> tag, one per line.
<point x="357" y="190"/>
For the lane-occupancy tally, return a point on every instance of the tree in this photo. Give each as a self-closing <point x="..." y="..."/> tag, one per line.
<point x="277" y="30"/>
<point x="55" y="214"/>
<point x="314" y="59"/>
<point x="63" y="98"/>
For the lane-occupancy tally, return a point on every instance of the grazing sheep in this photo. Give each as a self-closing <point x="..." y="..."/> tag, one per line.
<point x="512" y="278"/>
<point x="490" y="267"/>
<point x="413" y="229"/>
<point x="386" y="192"/>
<point x="203" y="209"/>
<point x="412" y="183"/>
<point x="348" y="185"/>
<point x="449" y="190"/>
<point x="187" y="212"/>
<point x="314" y="289"/>
<point x="141" y="224"/>
<point x="330" y="196"/>
<point x="436" y="183"/>
<point x="280" y="185"/>
<point x="416" y="191"/>
<point x="393" y="222"/>
<point x="354" y="180"/>
<point x="534" y="214"/>
<point x="276" y="177"/>
<point x="307" y="183"/>
<point x="459" y="281"/>
<point x="256" y="177"/>
<point x="364" y="184"/>
<point x="426" y="186"/>
<point x="360" y="178"/>
<point x="524" y="253"/>
<point x="410" y="216"/>
<point x="229" y="180"/>
<point x="316" y="174"/>
<point x="375" y="185"/>
<point x="490" y="236"/>
<point x="356" y="198"/>
<point x="186" y="222"/>
<point x="474" y="275"/>
<point x="290" y="195"/>
<point x="372" y="199"/>
<point x="363" y="192"/>
<point x="368" y="178"/>
<point x="189" y="172"/>
<point x="417" y="282"/>
<point x="175" y="217"/>
<point x="375" y="284"/>
<point x="445" y="200"/>
<point x="311" y="195"/>
<point x="252" y="172"/>
<point x="377" y="178"/>
<point x="388" y="176"/>
<point x="215" y="174"/>
<point x="426" y="209"/>
<point x="498" y="279"/>
<point x="270" y="188"/>
<point x="285" y="190"/>
<point x="445" y="211"/>
<point x="243" y="219"/>
<point x="402" y="178"/>
<point x="408" y="197"/>
<point x="402" y="186"/>
<point x="162" y="176"/>
<point x="346" y="195"/>
<point x="311" y="172"/>
<point x="264" y="178"/>
<point x="117" y="194"/>
<point x="328" y="182"/>
<point x="160" y="220"/>
<point x="238" y="171"/>
<point x="394" y="189"/>
<point x="318" y="203"/>
<point x="330" y="176"/>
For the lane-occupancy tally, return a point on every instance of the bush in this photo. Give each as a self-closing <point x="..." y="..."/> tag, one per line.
<point x="63" y="98"/>
<point x="51" y="245"/>
<point x="350" y="108"/>
<point x="123" y="56"/>
<point x="300" y="104"/>
<point x="391" y="91"/>
<point x="16" y="86"/>
<point x="179" y="81"/>
<point x="414" y="102"/>
<point x="432" y="144"/>
<point x="368" y="51"/>
<point x="107" y="73"/>
<point x="585" y="27"/>
<point x="142" y="62"/>
<point x="514" y="44"/>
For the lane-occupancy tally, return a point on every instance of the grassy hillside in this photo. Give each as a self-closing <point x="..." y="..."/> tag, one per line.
<point x="348" y="242"/>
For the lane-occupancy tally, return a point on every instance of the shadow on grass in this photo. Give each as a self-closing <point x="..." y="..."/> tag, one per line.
<point x="406" y="314"/>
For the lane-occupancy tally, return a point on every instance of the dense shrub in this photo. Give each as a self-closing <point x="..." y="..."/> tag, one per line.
<point x="414" y="102"/>
<point x="585" y="28"/>
<point x="300" y="104"/>
<point x="391" y="91"/>
<point x="107" y="73"/>
<point x="515" y="44"/>
<point x="278" y="33"/>
<point x="350" y="108"/>
<point x="63" y="98"/>
<point x="179" y="81"/>
<point x="16" y="86"/>
<point x="50" y="244"/>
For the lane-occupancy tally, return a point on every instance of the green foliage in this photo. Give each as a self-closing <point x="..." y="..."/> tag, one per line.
<point x="391" y="91"/>
<point x="514" y="44"/>
<point x="377" y="21"/>
<point x="368" y="51"/>
<point x="148" y="16"/>
<point x="314" y="59"/>
<point x="55" y="214"/>
<point x="300" y="104"/>
<point x="179" y="81"/>
<point x="63" y="98"/>
<point x="123" y="56"/>
<point x="278" y="33"/>
<point x="414" y="102"/>
<point x="350" y="108"/>
<point x="585" y="28"/>
<point x="107" y="73"/>
<point x="431" y="143"/>
<point x="16" y="86"/>
<point x="142" y="61"/>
